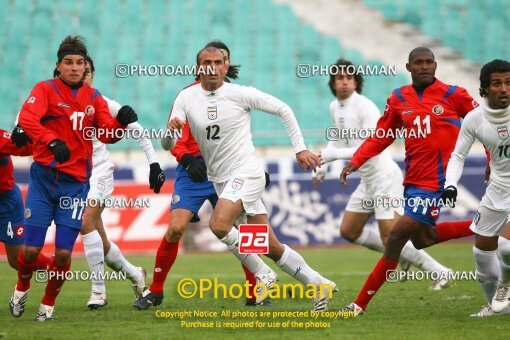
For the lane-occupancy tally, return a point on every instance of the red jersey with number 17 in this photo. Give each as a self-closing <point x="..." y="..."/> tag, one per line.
<point x="56" y="111"/>
<point x="431" y="123"/>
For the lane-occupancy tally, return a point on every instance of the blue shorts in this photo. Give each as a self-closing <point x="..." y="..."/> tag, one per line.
<point x="54" y="196"/>
<point x="190" y="195"/>
<point x="422" y="205"/>
<point x="11" y="217"/>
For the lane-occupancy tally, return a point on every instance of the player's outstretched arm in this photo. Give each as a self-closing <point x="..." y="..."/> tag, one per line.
<point x="306" y="160"/>
<point x="8" y="147"/>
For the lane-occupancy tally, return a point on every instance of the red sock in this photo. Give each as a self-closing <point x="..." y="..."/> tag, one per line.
<point x="56" y="273"/>
<point x="451" y="230"/>
<point x="42" y="262"/>
<point x="165" y="258"/>
<point x="250" y="278"/>
<point x="25" y="271"/>
<point x="375" y="281"/>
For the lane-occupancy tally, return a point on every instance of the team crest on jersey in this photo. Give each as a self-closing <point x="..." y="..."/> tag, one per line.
<point x="20" y="231"/>
<point x="89" y="110"/>
<point x="434" y="213"/>
<point x="176" y="199"/>
<point x="212" y="112"/>
<point x="237" y="183"/>
<point x="64" y="105"/>
<point x="28" y="213"/>
<point x="437" y="109"/>
<point x="503" y="132"/>
<point x="407" y="112"/>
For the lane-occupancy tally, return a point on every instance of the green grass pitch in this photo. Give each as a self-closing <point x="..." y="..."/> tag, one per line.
<point x="400" y="310"/>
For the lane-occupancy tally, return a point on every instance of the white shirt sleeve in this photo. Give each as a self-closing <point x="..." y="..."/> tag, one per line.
<point x="255" y="99"/>
<point x="465" y="140"/>
<point x="144" y="141"/>
<point x="330" y="153"/>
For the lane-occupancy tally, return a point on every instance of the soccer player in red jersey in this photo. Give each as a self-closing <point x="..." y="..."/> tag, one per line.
<point x="191" y="190"/>
<point x="12" y="232"/>
<point x="55" y="117"/>
<point x="429" y="113"/>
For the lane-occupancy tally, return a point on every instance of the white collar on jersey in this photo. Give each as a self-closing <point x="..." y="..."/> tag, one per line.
<point x="212" y="93"/>
<point x="499" y="116"/>
<point x="347" y="100"/>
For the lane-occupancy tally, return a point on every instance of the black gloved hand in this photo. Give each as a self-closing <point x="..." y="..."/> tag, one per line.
<point x="20" y="137"/>
<point x="196" y="169"/>
<point x="156" y="177"/>
<point x="268" y="180"/>
<point x="59" y="148"/>
<point x="449" y="196"/>
<point x="126" y="115"/>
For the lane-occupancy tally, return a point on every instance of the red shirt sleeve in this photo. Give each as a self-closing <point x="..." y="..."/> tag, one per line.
<point x="104" y="120"/>
<point x="463" y="102"/>
<point x="35" y="108"/>
<point x="181" y="147"/>
<point x="7" y="147"/>
<point x="373" y="146"/>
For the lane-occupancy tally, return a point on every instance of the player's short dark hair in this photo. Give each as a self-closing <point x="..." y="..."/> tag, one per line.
<point x="357" y="77"/>
<point x="91" y="63"/>
<point x="70" y="45"/>
<point x="495" y="66"/>
<point x="233" y="70"/>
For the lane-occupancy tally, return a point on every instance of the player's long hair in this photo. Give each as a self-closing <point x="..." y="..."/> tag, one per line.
<point x="70" y="45"/>
<point x="495" y="66"/>
<point x="233" y="70"/>
<point x="357" y="77"/>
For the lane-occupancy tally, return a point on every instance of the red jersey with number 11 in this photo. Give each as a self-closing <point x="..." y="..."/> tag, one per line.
<point x="431" y="123"/>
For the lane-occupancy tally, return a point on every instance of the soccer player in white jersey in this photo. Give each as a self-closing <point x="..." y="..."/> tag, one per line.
<point x="98" y="248"/>
<point x="218" y="114"/>
<point x="489" y="123"/>
<point x="381" y="177"/>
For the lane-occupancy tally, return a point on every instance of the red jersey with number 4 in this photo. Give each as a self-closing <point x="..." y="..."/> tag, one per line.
<point x="8" y="148"/>
<point x="431" y="123"/>
<point x="56" y="111"/>
<point x="185" y="144"/>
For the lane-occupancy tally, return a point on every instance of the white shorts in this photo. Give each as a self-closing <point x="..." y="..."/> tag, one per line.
<point x="248" y="189"/>
<point x="493" y="213"/>
<point x="101" y="181"/>
<point x="389" y="186"/>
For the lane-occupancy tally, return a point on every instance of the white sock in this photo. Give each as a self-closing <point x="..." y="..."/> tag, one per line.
<point x="370" y="238"/>
<point x="504" y="258"/>
<point x="93" y="246"/>
<point x="421" y="259"/>
<point x="487" y="271"/>
<point x="115" y="260"/>
<point x="293" y="264"/>
<point x="253" y="262"/>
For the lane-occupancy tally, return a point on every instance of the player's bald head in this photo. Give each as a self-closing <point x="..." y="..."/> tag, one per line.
<point x="418" y="51"/>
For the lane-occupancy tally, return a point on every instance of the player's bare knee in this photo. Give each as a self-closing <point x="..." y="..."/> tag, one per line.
<point x="62" y="256"/>
<point x="348" y="233"/>
<point x="31" y="253"/>
<point x="219" y="225"/>
<point x="175" y="232"/>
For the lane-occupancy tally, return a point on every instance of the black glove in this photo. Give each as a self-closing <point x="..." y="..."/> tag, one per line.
<point x="267" y="180"/>
<point x="126" y="115"/>
<point x="156" y="177"/>
<point x="449" y="196"/>
<point x="196" y="169"/>
<point x="20" y="137"/>
<point x="59" y="148"/>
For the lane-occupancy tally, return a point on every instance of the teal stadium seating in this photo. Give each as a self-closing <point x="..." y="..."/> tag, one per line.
<point x="266" y="39"/>
<point x="474" y="28"/>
